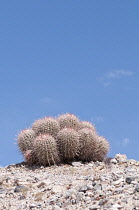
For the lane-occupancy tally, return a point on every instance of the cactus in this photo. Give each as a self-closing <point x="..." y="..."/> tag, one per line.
<point x="47" y="125"/>
<point x="86" y="124"/>
<point x="68" y="144"/>
<point x="68" y="121"/>
<point x="25" y="140"/>
<point x="102" y="149"/>
<point x="45" y="149"/>
<point x="88" y="144"/>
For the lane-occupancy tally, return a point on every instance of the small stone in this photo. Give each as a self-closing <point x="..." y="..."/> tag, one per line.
<point x="21" y="188"/>
<point x="57" y="189"/>
<point x="98" y="187"/>
<point x="100" y="193"/>
<point x="89" y="187"/>
<point x="70" y="192"/>
<point x="42" y="184"/>
<point x="22" y="197"/>
<point x="103" y="201"/>
<point x="3" y="191"/>
<point x="128" y="180"/>
<point x="83" y="188"/>
<point x="79" y="197"/>
<point x="118" y="181"/>
<point x="114" y="161"/>
<point x="93" y="183"/>
<point x="121" y="158"/>
<point x="94" y="207"/>
<point x="76" y="164"/>
<point x="116" y="206"/>
<point x="137" y="188"/>
<point x="56" y="207"/>
<point x="31" y="206"/>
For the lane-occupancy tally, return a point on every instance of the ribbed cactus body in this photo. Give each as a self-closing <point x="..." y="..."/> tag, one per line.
<point x="47" y="125"/>
<point x="68" y="143"/>
<point x="68" y="121"/>
<point x="86" y="124"/>
<point x="88" y="144"/>
<point x="45" y="149"/>
<point x="25" y="139"/>
<point x="102" y="149"/>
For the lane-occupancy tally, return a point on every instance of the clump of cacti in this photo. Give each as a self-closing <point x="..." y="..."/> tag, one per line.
<point x="62" y="139"/>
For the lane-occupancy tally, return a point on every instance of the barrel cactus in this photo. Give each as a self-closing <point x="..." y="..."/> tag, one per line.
<point x="102" y="149"/>
<point x="25" y="140"/>
<point x="47" y="125"/>
<point x="68" y="144"/>
<point x="88" y="144"/>
<point x="68" y="121"/>
<point x="45" y="149"/>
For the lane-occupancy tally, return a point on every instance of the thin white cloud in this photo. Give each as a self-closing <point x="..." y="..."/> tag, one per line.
<point x="97" y="119"/>
<point x="125" y="141"/>
<point x="108" y="78"/>
<point x="118" y="74"/>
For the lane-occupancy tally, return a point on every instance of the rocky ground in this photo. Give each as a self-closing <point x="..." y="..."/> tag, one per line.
<point x="109" y="185"/>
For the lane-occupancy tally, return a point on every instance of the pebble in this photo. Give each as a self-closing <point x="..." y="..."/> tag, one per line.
<point x="128" y="180"/>
<point x="77" y="164"/>
<point x="21" y="189"/>
<point x="90" y="186"/>
<point x="137" y="188"/>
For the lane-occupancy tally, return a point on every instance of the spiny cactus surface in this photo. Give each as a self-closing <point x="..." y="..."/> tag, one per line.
<point x="46" y="125"/>
<point x="102" y="149"/>
<point x="68" y="143"/>
<point x="45" y="149"/>
<point x="86" y="124"/>
<point x="88" y="144"/>
<point x="68" y="121"/>
<point x="25" y="140"/>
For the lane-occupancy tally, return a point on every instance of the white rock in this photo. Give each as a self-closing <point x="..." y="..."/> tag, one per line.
<point x="57" y="189"/>
<point x="121" y="158"/>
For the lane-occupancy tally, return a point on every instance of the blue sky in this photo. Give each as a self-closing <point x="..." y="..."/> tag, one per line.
<point x="71" y="56"/>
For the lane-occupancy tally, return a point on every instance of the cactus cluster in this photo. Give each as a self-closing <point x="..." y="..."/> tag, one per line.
<point x="65" y="138"/>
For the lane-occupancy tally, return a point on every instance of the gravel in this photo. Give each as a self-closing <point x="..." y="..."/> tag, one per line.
<point x="105" y="185"/>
